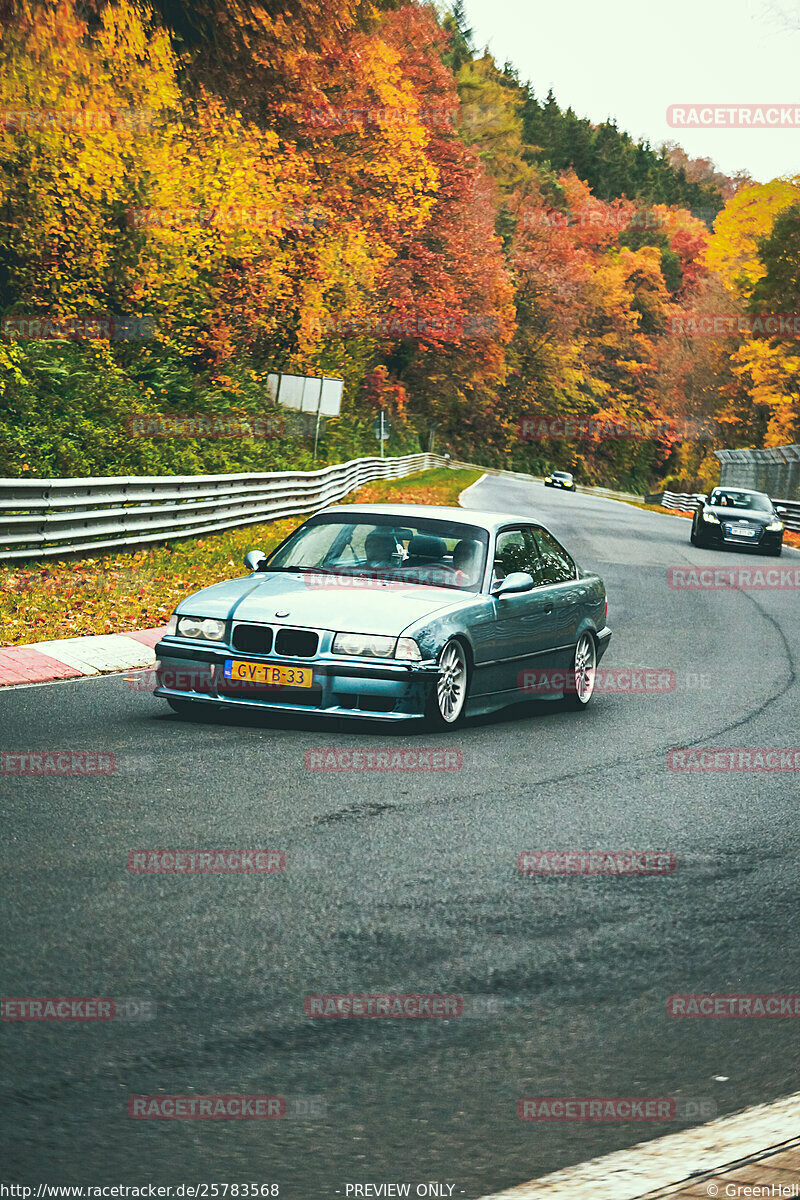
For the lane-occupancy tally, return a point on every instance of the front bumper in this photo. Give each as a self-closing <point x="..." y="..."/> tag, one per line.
<point x="343" y="687"/>
<point x="717" y="536"/>
<point x="602" y="639"/>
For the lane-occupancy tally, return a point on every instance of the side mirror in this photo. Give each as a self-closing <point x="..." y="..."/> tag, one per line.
<point x="517" y="581"/>
<point x="253" y="558"/>
<point x="701" y="496"/>
<point x="782" y="512"/>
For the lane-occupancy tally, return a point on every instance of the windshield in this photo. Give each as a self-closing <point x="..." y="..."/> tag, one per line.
<point x="561" y="475"/>
<point x="372" y="546"/>
<point x="730" y="498"/>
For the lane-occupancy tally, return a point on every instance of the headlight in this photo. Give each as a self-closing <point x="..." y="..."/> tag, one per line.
<point x="547" y="479"/>
<point x="367" y="645"/>
<point x="172" y="626"/>
<point x="201" y="627"/>
<point x="709" y="516"/>
<point x="775" y="526"/>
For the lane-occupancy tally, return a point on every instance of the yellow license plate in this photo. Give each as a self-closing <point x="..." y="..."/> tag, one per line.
<point x="250" y="672"/>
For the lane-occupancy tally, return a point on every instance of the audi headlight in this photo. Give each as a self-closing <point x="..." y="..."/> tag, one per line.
<point x="711" y="518"/>
<point x="201" y="627"/>
<point x="365" y="645"/>
<point x="775" y="526"/>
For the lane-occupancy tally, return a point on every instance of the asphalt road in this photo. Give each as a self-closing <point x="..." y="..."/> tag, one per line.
<point x="408" y="883"/>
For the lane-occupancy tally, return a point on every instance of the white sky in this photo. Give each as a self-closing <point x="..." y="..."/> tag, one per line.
<point x="631" y="59"/>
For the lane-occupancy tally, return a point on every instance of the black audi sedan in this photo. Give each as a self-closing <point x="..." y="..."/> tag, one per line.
<point x="738" y="517"/>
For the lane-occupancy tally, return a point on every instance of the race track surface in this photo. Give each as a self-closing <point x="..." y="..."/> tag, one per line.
<point x="408" y="883"/>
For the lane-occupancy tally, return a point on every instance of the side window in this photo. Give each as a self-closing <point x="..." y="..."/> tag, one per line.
<point x="556" y="563"/>
<point x="515" y="550"/>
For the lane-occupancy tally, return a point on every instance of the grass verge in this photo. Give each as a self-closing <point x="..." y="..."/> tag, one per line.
<point x="118" y="592"/>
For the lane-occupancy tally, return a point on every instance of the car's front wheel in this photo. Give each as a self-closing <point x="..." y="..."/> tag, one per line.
<point x="448" y="696"/>
<point x="584" y="671"/>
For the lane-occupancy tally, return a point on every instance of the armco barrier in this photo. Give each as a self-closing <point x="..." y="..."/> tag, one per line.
<point x="43" y="518"/>
<point x="688" y="501"/>
<point x="680" y="501"/>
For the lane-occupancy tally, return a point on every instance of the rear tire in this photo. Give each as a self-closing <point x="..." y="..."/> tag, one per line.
<point x="584" y="670"/>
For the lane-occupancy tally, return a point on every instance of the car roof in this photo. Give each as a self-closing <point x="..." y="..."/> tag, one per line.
<point x="483" y="518"/>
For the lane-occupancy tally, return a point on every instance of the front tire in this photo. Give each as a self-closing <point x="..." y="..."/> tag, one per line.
<point x="448" y="697"/>
<point x="584" y="671"/>
<point x="776" y="551"/>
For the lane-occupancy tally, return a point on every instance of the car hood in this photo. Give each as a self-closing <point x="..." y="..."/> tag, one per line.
<point x="726" y="513"/>
<point x="318" y="602"/>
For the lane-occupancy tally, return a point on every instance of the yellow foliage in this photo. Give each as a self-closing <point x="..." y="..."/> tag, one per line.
<point x="747" y="218"/>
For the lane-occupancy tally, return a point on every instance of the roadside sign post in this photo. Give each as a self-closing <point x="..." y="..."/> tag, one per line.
<point x="381" y="429"/>
<point x="316" y="427"/>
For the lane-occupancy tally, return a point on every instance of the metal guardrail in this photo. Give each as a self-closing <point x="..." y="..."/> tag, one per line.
<point x="681" y="501"/>
<point x="687" y="502"/>
<point x="44" y="518"/>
